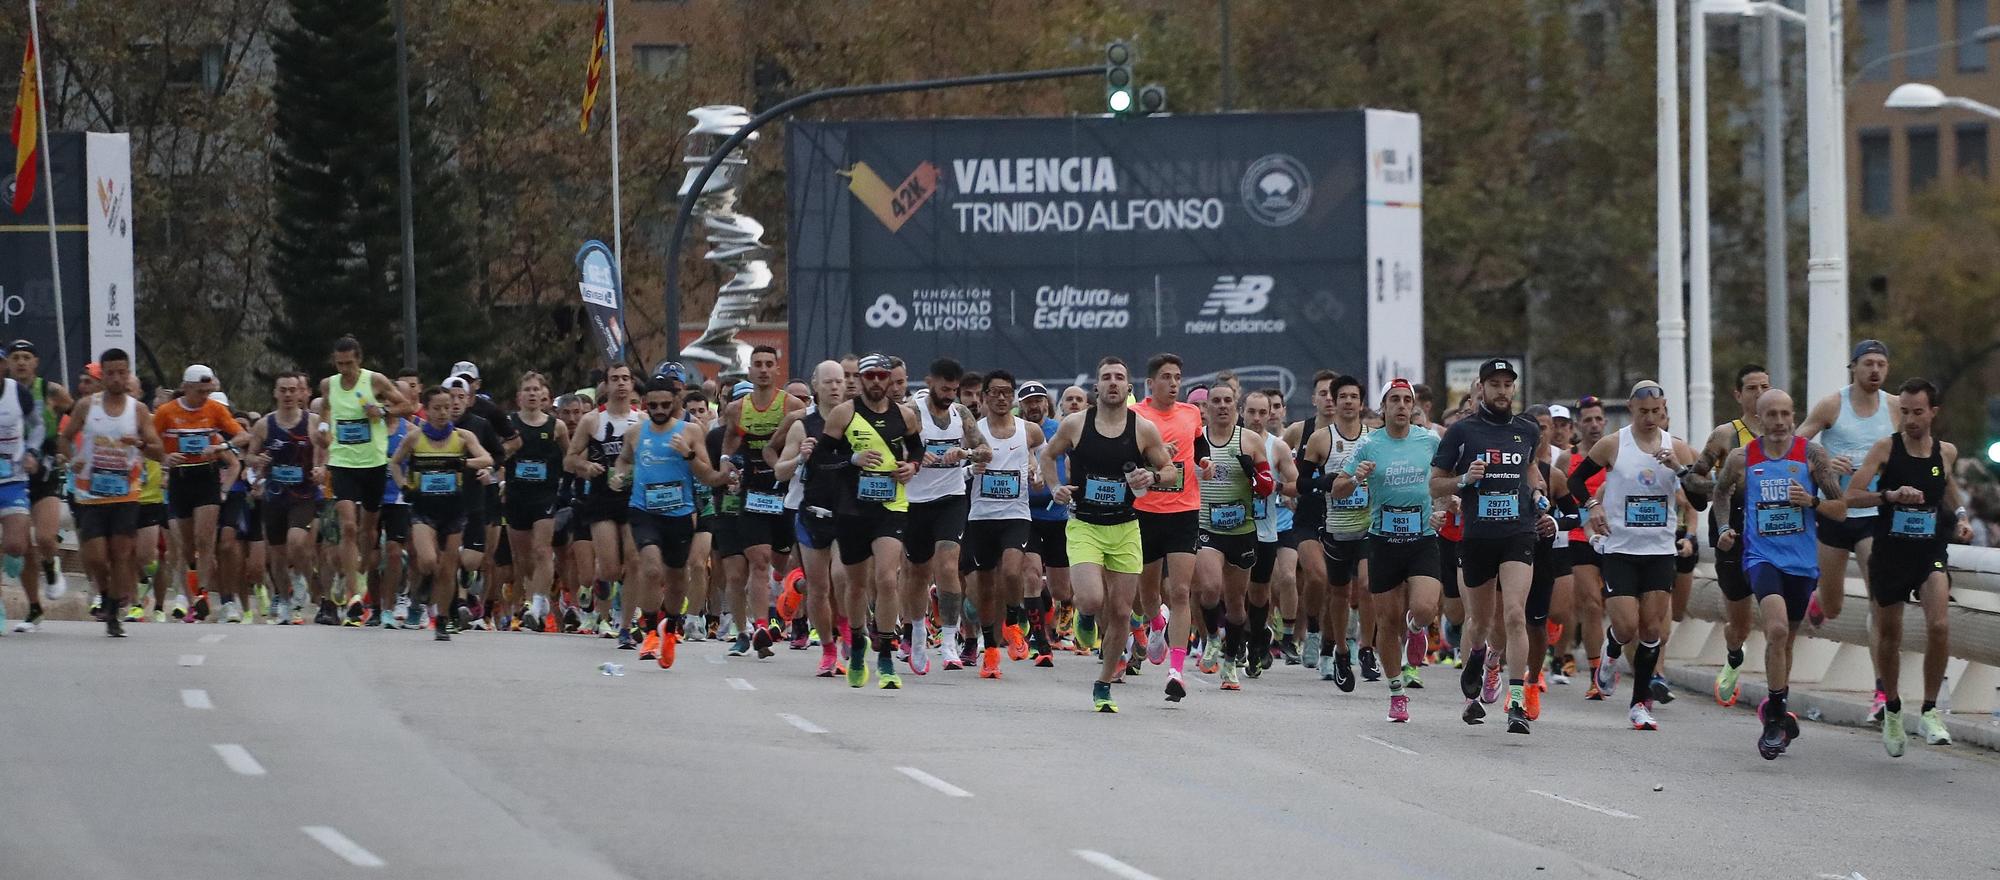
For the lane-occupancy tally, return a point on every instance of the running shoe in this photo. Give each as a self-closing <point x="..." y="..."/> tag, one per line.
<point x="1490" y="693"/>
<point x="1607" y="677"/>
<point x="1413" y="649"/>
<point x="1468" y="676"/>
<point x="232" y="612"/>
<point x="180" y="606"/>
<point x="280" y="614"/>
<point x="1100" y="698"/>
<point x="112" y="628"/>
<point x="1568" y="670"/>
<point x="1325" y="668"/>
<point x="1176" y="689"/>
<point x="1371" y="669"/>
<point x="1288" y="651"/>
<point x="762" y="643"/>
<point x="827" y="662"/>
<point x="329" y="615"/>
<point x="1017" y="642"/>
<point x="1593" y="693"/>
<point x="1474" y="713"/>
<point x="1641" y="716"/>
<point x="1728" y="685"/>
<point x="1230" y="675"/>
<point x="1343" y="671"/>
<point x="857" y="662"/>
<point x="158" y="616"/>
<point x="1517" y="719"/>
<point x="649" y="647"/>
<point x="571" y="622"/>
<point x="1255" y="668"/>
<point x="22" y="626"/>
<point x="461" y="615"/>
<point x="97" y="608"/>
<point x="200" y="610"/>
<point x="1085" y="636"/>
<point x="1814" y="614"/>
<point x="886" y="671"/>
<point x="1134" y="666"/>
<point x="1045" y="657"/>
<point x="920" y="656"/>
<point x="1156" y="646"/>
<point x="55" y="584"/>
<point x="1531" y="700"/>
<point x="1772" y="743"/>
<point x="1931" y="724"/>
<point x="1211" y="656"/>
<point x="989" y="663"/>
<point x="951" y="655"/>
<point x="1399" y="708"/>
<point x="1876" y="707"/>
<point x="669" y="640"/>
<point x="625" y="640"/>
<point x="1311" y="651"/>
<point x="1412" y="678"/>
<point x="443" y="633"/>
<point x="1663" y="693"/>
<point x="740" y="647"/>
<point x="968" y="652"/>
<point x="800" y="643"/>
<point x="354" y="612"/>
<point x="1893" y="738"/>
<point x="298" y="613"/>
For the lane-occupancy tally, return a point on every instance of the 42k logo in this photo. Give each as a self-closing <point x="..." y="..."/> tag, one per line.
<point x="893" y="207"/>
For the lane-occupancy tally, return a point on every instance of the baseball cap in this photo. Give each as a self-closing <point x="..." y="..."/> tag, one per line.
<point x="1497" y="365"/>
<point x="874" y="362"/>
<point x="220" y="398"/>
<point x="93" y="370"/>
<point x="1867" y="347"/>
<point x="196" y="373"/>
<point x="1394" y="384"/>
<point x="1199" y="395"/>
<point x="672" y="371"/>
<point x="741" y="389"/>
<point x="457" y="383"/>
<point x="1031" y="389"/>
<point x="1558" y="411"/>
<point x="20" y="345"/>
<point x="465" y="368"/>
<point x="1647" y="388"/>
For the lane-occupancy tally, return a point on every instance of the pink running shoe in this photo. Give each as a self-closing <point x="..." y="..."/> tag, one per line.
<point x="1814" y="615"/>
<point x="1399" y="709"/>
<point x="1490" y="692"/>
<point x="1413" y="648"/>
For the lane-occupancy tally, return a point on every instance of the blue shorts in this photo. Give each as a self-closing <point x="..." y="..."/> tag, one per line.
<point x="14" y="497"/>
<point x="1769" y="580"/>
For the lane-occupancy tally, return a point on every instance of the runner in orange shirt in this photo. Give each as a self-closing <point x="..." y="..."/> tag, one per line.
<point x="1169" y="523"/>
<point x="195" y="429"/>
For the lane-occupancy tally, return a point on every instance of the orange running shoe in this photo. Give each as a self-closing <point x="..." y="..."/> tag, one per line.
<point x="1017" y="644"/>
<point x="989" y="663"/>
<point x="649" y="649"/>
<point x="1531" y="701"/>
<point x="668" y="638"/>
<point x="790" y="599"/>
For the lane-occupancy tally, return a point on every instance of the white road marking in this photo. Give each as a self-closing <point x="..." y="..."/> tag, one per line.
<point x="741" y="685"/>
<point x="212" y="638"/>
<point x="1386" y="744"/>
<point x="1615" y="814"/>
<point x="1112" y="865"/>
<point x="946" y="788"/>
<point x="196" y="699"/>
<point x="341" y="846"/>
<point x="238" y="758"/>
<point x="801" y="723"/>
<point x="192" y="659"/>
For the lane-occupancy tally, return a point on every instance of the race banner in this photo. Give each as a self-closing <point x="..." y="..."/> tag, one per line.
<point x="113" y="321"/>
<point x="603" y="298"/>
<point x="27" y="286"/>
<point x="1268" y="244"/>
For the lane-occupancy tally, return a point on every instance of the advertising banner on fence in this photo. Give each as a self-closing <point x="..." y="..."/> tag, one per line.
<point x="1241" y="242"/>
<point x="27" y="286"/>
<point x="604" y="298"/>
<point x="108" y="203"/>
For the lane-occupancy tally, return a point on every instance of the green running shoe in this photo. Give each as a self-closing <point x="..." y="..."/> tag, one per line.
<point x="1726" y="687"/>
<point x="886" y="671"/>
<point x="1411" y="678"/>
<point x="1893" y="738"/>
<point x="857" y="663"/>
<point x="1100" y="698"/>
<point x="1932" y="726"/>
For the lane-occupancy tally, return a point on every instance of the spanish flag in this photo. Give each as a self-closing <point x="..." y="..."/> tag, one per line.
<point x="596" y="72"/>
<point x="26" y="132"/>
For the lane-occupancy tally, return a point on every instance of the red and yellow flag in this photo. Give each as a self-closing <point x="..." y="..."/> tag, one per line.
<point x="26" y="132"/>
<point x="597" y="49"/>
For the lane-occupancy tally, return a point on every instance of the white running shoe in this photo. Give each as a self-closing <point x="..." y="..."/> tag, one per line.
<point x="1642" y="716"/>
<point x="56" y="587"/>
<point x="232" y="612"/>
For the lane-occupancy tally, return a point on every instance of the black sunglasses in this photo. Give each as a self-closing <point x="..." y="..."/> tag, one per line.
<point x="1588" y="401"/>
<point x="653" y="406"/>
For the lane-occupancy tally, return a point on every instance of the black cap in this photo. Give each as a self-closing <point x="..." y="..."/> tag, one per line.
<point x="875" y="362"/>
<point x="1861" y="349"/>
<point x="1497" y="365"/>
<point x="20" y="345"/>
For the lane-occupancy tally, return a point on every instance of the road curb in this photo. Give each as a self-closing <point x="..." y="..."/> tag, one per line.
<point x="1845" y="708"/>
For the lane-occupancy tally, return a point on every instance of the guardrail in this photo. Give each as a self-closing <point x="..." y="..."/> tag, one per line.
<point x="1835" y="656"/>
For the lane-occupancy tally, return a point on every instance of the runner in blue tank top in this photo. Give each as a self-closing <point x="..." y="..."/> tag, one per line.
<point x="1777" y="474"/>
<point x="661" y="460"/>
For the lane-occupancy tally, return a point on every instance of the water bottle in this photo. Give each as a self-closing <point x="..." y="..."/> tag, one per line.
<point x="612" y="669"/>
<point x="1130" y="467"/>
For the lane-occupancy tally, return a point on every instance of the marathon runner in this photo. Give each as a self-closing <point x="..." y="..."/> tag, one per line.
<point x="996" y="529"/>
<point x="1308" y="521"/>
<point x="1586" y="571"/>
<point x="1047" y="557"/>
<point x="938" y="506"/>
<point x="531" y="493"/>
<point x="593" y="447"/>
<point x="194" y="429"/>
<point x="289" y="449"/>
<point x="433" y="464"/>
<point x="1726" y="522"/>
<point x="1169" y="524"/>
<point x="104" y="440"/>
<point x="482" y="502"/>
<point x="1274" y="577"/>
<point x="659" y="464"/>
<point x="1777" y="472"/>
<point x="1908" y="479"/>
<point x="764" y="525"/>
<point x="1634" y="511"/>
<point x="1234" y="476"/>
<point x="40" y="565"/>
<point x="1112" y="454"/>
<point x="358" y="403"/>
<point x="1344" y="537"/>
<point x="881" y="439"/>
<point x="817" y="475"/>
<point x="21" y="437"/>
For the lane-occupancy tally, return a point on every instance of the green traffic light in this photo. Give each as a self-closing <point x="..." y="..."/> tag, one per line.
<point x="1120" y="100"/>
<point x="1993" y="452"/>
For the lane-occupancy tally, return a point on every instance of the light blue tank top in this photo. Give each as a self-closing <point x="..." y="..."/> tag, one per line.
<point x="1852" y="435"/>
<point x="662" y="481"/>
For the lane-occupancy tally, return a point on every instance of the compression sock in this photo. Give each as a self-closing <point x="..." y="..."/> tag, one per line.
<point x="1929" y="705"/>
<point x="1735" y="658"/>
<point x="1895" y="705"/>
<point x="1211" y="619"/>
<point x="1613" y="648"/>
<point x="885" y="645"/>
<point x="990" y="636"/>
<point x="1177" y="658"/>
<point x="1016" y="615"/>
<point x="1776" y="707"/>
<point x="1644" y="658"/>
<point x="1233" y="642"/>
<point x="1260" y="630"/>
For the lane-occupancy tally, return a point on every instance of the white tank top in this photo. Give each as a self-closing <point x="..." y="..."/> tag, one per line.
<point x="932" y="483"/>
<point x="103" y="454"/>
<point x="795" y="491"/>
<point x="1638" y="498"/>
<point x="1266" y="508"/>
<point x="1557" y="459"/>
<point x="1001" y="492"/>
<point x="13" y="427"/>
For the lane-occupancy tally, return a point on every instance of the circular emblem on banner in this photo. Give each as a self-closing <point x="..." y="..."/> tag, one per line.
<point x="886" y="312"/>
<point x="1276" y="190"/>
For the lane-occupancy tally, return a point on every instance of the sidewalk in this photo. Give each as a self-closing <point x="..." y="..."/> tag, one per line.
<point x="1845" y="708"/>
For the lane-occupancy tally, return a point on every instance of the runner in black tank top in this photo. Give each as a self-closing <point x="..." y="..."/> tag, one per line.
<point x="1105" y="459"/>
<point x="531" y="473"/>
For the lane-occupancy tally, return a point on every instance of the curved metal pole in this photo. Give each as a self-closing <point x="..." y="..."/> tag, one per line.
<point x="674" y="238"/>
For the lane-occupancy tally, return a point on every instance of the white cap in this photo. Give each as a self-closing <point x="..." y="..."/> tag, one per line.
<point x="196" y="373"/>
<point x="465" y="368"/>
<point x="220" y="398"/>
<point x="1558" y="411"/>
<point x="457" y="383"/>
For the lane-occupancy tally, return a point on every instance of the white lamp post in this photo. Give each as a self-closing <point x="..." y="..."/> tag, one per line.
<point x="1672" y="326"/>
<point x="1924" y="96"/>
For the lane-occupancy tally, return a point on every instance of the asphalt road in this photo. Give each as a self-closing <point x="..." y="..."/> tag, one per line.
<point x="304" y="752"/>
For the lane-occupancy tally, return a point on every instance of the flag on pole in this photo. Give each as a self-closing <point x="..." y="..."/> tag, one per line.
<point x="598" y="46"/>
<point x="26" y="132"/>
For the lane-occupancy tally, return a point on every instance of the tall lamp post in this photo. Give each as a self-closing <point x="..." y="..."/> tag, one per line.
<point x="1672" y="325"/>
<point x="1924" y="96"/>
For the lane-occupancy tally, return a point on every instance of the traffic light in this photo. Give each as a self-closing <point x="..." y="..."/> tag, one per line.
<point x="1993" y="433"/>
<point x="1118" y="96"/>
<point x="1152" y="99"/>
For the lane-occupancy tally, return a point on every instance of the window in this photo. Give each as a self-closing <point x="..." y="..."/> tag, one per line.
<point x="1968" y="17"/>
<point x="1970" y="149"/>
<point x="1920" y="30"/>
<point x="1874" y="38"/>
<point x="1875" y="180"/>
<point x="1922" y="142"/>
<point x="662" y="59"/>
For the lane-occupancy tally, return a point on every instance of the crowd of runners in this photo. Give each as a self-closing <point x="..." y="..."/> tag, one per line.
<point x="976" y="520"/>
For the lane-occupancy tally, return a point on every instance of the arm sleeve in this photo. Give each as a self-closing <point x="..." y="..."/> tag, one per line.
<point x="1585" y="469"/>
<point x="33" y="431"/>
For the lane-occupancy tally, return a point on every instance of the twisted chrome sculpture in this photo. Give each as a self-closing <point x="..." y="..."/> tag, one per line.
<point x="735" y="240"/>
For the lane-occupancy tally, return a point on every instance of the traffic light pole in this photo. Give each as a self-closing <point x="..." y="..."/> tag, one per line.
<point x="674" y="238"/>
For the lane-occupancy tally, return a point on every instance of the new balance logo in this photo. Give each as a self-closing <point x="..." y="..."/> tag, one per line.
<point x="1238" y="295"/>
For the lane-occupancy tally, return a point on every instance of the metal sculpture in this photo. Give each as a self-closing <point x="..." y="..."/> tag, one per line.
<point x="735" y="240"/>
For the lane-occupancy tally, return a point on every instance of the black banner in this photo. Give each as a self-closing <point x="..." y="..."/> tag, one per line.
<point x="27" y="287"/>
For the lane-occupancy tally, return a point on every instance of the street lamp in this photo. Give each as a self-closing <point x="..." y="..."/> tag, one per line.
<point x="1924" y="96"/>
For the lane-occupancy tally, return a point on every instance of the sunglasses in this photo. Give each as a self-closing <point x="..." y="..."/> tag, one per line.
<point x="1649" y="393"/>
<point x="669" y="405"/>
<point x="1587" y="401"/>
<point x="877" y="374"/>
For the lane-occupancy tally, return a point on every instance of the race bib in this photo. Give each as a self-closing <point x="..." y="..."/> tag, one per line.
<point x="1356" y="501"/>
<point x="437" y="482"/>
<point x="731" y="504"/>
<point x="875" y="487"/>
<point x="532" y="471"/>
<point x="1646" y="511"/>
<point x="1776" y="519"/>
<point x="351" y="431"/>
<point x="763" y="502"/>
<point x="194" y="444"/>
<point x="1098" y="490"/>
<point x="1260" y="508"/>
<point x="1499" y="506"/>
<point x="1227" y="516"/>
<point x="1000" y="485"/>
<point x="1179" y="485"/>
<point x="6" y="468"/>
<point x="1400" y="522"/>
<point x="288" y="474"/>
<point x="939" y="448"/>
<point x="662" y="497"/>
<point x="1905" y="522"/>
<point x="109" y="484"/>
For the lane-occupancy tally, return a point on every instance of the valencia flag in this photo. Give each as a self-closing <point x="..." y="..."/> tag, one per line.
<point x="26" y="132"/>
<point x="596" y="71"/>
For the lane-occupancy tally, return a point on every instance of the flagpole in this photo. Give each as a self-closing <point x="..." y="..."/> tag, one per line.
<point x="617" y="213"/>
<point x="49" y="192"/>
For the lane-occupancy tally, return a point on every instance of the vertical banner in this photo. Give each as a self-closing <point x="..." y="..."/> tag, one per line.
<point x="108" y="204"/>
<point x="1395" y="249"/>
<point x="603" y="298"/>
